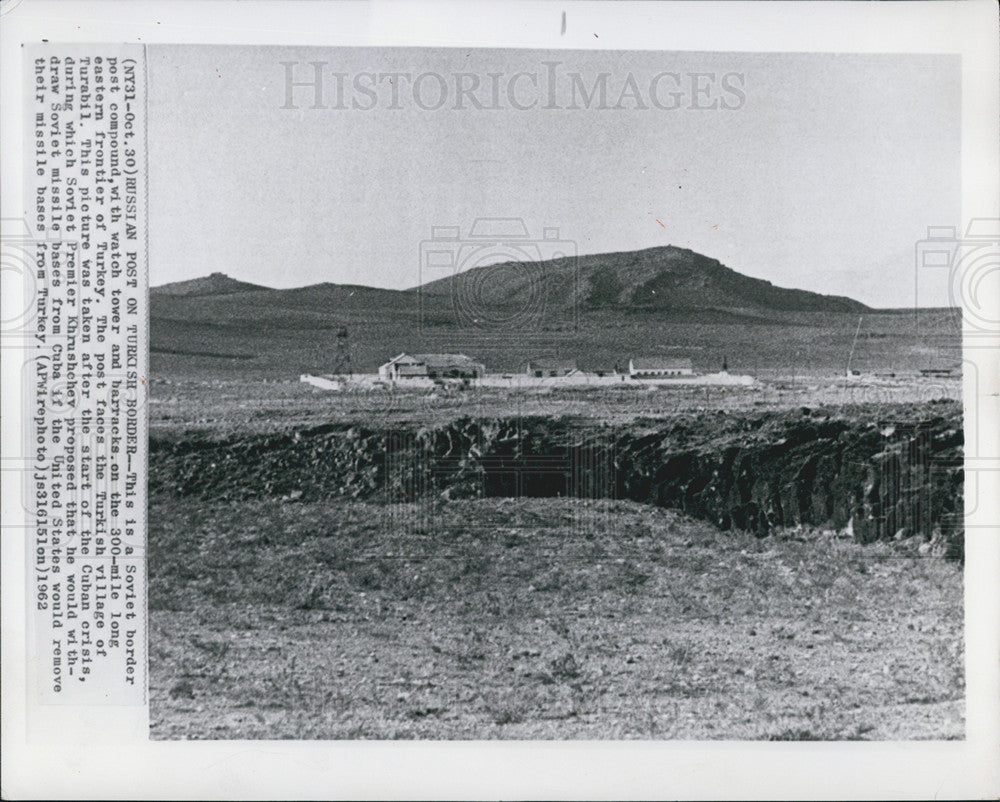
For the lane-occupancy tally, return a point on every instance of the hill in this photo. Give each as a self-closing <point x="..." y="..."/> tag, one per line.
<point x="661" y="278"/>
<point x="212" y="284"/>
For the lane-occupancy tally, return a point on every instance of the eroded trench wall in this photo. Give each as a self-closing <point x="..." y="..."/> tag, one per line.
<point x="882" y="473"/>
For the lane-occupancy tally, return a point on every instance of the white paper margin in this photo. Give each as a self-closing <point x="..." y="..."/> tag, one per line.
<point x="100" y="754"/>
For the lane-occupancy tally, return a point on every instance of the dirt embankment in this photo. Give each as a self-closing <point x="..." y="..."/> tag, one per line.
<point x="881" y="472"/>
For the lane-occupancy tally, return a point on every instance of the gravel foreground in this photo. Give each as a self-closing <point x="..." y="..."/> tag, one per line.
<point x="544" y="618"/>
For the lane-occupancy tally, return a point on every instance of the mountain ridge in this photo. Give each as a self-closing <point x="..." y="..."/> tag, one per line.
<point x="659" y="278"/>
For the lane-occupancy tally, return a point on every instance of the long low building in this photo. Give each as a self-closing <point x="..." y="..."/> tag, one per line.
<point x="655" y="367"/>
<point x="431" y="366"/>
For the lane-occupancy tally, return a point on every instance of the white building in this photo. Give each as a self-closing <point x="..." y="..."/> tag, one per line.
<point x="431" y="366"/>
<point x="659" y="366"/>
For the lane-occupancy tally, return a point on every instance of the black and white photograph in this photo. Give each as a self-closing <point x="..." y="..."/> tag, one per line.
<point x="552" y="400"/>
<point x="530" y="395"/>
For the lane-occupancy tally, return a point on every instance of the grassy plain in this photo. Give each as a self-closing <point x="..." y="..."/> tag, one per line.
<point x="217" y="342"/>
<point x="200" y="407"/>
<point x="221" y="366"/>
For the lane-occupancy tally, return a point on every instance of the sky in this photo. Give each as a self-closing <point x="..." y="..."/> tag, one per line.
<point x="814" y="171"/>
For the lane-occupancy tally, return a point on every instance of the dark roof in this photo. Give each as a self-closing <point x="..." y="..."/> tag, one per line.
<point x="660" y="363"/>
<point x="445" y="360"/>
<point x="435" y="360"/>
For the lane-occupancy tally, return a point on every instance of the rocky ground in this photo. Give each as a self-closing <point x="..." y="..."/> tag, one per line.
<point x="539" y="618"/>
<point x="738" y="572"/>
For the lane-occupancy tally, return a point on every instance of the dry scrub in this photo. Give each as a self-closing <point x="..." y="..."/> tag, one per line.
<point x="539" y="618"/>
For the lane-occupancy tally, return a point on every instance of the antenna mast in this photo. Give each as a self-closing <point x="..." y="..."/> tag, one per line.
<point x="853" y="344"/>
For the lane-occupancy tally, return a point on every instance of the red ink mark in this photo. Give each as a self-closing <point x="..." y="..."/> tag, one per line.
<point x="143" y="379"/>
<point x="657" y="219"/>
<point x="716" y="225"/>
